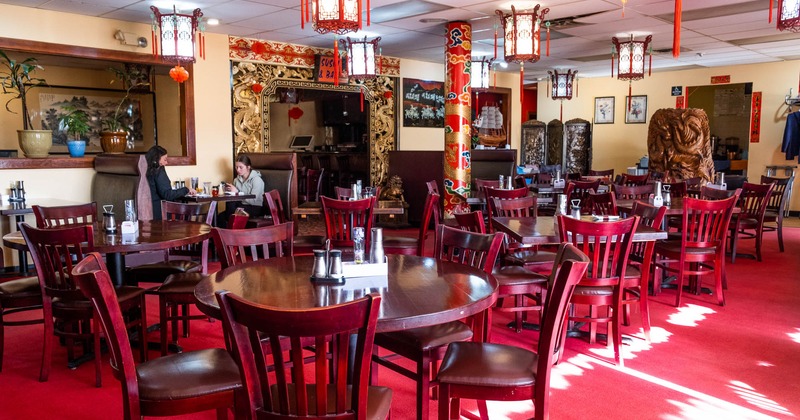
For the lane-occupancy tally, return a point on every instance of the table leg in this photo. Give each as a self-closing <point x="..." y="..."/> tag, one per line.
<point x="22" y="255"/>
<point x="115" y="262"/>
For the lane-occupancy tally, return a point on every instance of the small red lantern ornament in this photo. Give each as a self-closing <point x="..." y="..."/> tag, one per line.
<point x="179" y="74"/>
<point x="630" y="58"/>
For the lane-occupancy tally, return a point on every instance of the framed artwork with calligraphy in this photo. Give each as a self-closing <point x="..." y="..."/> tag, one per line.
<point x="423" y="103"/>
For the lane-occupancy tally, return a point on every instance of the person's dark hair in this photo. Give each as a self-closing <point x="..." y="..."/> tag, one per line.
<point x="153" y="156"/>
<point x="244" y="159"/>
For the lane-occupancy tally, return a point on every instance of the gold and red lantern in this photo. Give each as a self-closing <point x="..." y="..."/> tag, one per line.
<point x="630" y="58"/>
<point x="334" y="16"/>
<point x="788" y="15"/>
<point x="561" y="86"/>
<point x="522" y="35"/>
<point x="176" y="34"/>
<point x="480" y="74"/>
<point x="363" y="57"/>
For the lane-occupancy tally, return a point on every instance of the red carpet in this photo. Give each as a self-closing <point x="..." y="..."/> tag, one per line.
<point x="734" y="362"/>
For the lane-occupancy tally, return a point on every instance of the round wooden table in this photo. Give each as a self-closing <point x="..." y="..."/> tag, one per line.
<point x="152" y="236"/>
<point x="418" y="291"/>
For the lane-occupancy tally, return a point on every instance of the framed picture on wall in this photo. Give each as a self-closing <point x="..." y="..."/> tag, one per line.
<point x="604" y="110"/>
<point x="423" y="103"/>
<point x="636" y="113"/>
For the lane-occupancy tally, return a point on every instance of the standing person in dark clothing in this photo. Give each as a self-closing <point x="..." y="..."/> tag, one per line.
<point x="160" y="185"/>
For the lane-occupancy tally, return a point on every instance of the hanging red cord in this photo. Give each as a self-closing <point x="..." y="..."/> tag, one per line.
<point x="630" y="89"/>
<point x="308" y="10"/>
<point x="548" y="39"/>
<point x="361" y="93"/>
<point x="612" y="61"/>
<point x="676" y="30"/>
<point x="336" y="63"/>
<point x="368" y="13"/>
<point x="358" y="9"/>
<point x="153" y="41"/>
<point x="495" y="43"/>
<point x="650" y="70"/>
<point x="302" y="14"/>
<point x="770" y="11"/>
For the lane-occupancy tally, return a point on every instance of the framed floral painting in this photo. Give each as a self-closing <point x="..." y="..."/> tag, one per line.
<point x="636" y="113"/>
<point x="604" y="110"/>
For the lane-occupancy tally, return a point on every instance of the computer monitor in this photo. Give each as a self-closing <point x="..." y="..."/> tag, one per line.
<point x="302" y="142"/>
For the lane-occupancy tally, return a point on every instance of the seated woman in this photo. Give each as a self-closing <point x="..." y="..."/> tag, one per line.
<point x="247" y="181"/>
<point x="160" y="185"/>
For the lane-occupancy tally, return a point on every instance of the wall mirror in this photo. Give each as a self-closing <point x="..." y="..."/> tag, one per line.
<point x="167" y="107"/>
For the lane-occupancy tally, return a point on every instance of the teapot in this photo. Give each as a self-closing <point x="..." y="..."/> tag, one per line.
<point x="109" y="222"/>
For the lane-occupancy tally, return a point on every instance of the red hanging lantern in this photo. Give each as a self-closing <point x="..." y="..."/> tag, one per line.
<point x="362" y="57"/>
<point x="631" y="60"/>
<point x="522" y="32"/>
<point x="177" y="34"/>
<point x="179" y="74"/>
<point x="788" y="15"/>
<point x="561" y="86"/>
<point x="336" y="16"/>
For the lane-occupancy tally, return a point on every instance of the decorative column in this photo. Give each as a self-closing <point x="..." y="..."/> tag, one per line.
<point x="457" y="115"/>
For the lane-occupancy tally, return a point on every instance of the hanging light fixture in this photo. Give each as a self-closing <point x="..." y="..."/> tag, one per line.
<point x="788" y="15"/>
<point x="630" y="56"/>
<point x="336" y="16"/>
<point x="561" y="86"/>
<point x="176" y="38"/>
<point x="363" y="57"/>
<point x="522" y="38"/>
<point x="480" y="74"/>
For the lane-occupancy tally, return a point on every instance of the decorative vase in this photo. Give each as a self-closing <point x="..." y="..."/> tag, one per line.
<point x="35" y="144"/>
<point x="114" y="142"/>
<point x="76" y="148"/>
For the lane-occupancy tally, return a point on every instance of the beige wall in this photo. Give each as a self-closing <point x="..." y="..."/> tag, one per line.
<point x="418" y="138"/>
<point x="620" y="145"/>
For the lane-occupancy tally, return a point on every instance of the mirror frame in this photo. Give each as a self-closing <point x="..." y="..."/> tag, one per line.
<point x="187" y="90"/>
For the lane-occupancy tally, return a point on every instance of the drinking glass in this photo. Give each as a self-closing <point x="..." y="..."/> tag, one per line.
<point x="358" y="245"/>
<point x="195" y="181"/>
<point x="207" y="187"/>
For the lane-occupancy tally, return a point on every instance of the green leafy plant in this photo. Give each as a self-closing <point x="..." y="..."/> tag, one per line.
<point x="75" y="122"/>
<point x="133" y="78"/>
<point x="16" y="80"/>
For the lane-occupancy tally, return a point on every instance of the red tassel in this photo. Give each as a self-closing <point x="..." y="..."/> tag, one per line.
<point x="367" y="12"/>
<point x="336" y="65"/>
<point x="361" y="92"/>
<point x="521" y="81"/>
<point x="650" y="70"/>
<point x="612" y="62"/>
<point x="341" y="13"/>
<point x="302" y="14"/>
<point x="770" y="11"/>
<point x="308" y="10"/>
<point x="153" y="41"/>
<point x="676" y="30"/>
<point x="202" y="46"/>
<point x="629" y="96"/>
<point x="548" y="41"/>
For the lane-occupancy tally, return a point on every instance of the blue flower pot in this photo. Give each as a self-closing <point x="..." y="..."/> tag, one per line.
<point x="76" y="148"/>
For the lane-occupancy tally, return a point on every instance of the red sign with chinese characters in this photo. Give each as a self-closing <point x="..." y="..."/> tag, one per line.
<point x="715" y="80"/>
<point x="755" y="118"/>
<point x="680" y="102"/>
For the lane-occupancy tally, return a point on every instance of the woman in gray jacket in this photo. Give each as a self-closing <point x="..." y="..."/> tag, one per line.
<point x="247" y="181"/>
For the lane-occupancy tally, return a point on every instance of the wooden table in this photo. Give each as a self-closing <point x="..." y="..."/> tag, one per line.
<point x="419" y="291"/>
<point x="312" y="208"/>
<point x="675" y="207"/>
<point x="19" y="209"/>
<point x="152" y="236"/>
<point x="541" y="230"/>
<point x="204" y="198"/>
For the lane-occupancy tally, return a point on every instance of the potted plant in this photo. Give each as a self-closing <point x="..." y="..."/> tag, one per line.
<point x="114" y="137"/>
<point x="16" y="78"/>
<point x="76" y="123"/>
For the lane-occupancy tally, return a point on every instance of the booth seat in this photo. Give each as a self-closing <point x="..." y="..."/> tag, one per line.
<point x="279" y="172"/>
<point x="120" y="177"/>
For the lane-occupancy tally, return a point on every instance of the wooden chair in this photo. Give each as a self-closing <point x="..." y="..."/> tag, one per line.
<point x="628" y="179"/>
<point x="303" y="394"/>
<point x="633" y="192"/>
<point x="708" y="193"/>
<point x="608" y="245"/>
<point x="608" y="173"/>
<point x="677" y="189"/>
<point x="543" y="178"/>
<point x="240" y="246"/>
<point x="519" y="182"/>
<point x="471" y="221"/>
<point x="426" y="345"/>
<point x="603" y="204"/>
<point x="20" y="295"/>
<point x="701" y="248"/>
<point x="395" y="244"/>
<point x="637" y="274"/>
<point x="313" y="185"/>
<point x="749" y="223"/>
<point x="176" y="384"/>
<point x="67" y="313"/>
<point x="342" y="216"/>
<point x="342" y="193"/>
<point x="495" y="193"/>
<point x="303" y="244"/>
<point x="580" y="190"/>
<point x="238" y="221"/>
<point x="178" y="277"/>
<point x="481" y="184"/>
<point x="488" y="371"/>
<point x="433" y="187"/>
<point x="79" y="214"/>
<point x="773" y="217"/>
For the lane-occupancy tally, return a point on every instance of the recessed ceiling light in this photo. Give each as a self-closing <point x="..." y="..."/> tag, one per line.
<point x="213" y="21"/>
<point x="433" y="20"/>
